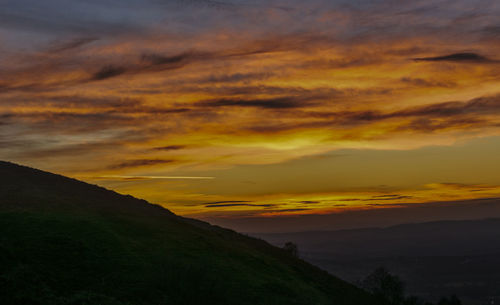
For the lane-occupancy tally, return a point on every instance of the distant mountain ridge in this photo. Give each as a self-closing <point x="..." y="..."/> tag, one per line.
<point x="436" y="238"/>
<point x="65" y="242"/>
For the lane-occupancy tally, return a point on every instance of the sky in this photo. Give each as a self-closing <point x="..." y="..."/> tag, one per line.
<point x="244" y="113"/>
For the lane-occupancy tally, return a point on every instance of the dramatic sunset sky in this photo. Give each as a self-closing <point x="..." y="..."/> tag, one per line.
<point x="236" y="110"/>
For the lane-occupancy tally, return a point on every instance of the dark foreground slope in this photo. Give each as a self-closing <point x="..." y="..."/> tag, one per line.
<point x="63" y="241"/>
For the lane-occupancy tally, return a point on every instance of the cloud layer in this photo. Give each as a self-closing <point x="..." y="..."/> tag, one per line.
<point x="144" y="88"/>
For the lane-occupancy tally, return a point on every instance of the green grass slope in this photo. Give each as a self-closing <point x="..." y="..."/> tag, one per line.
<point x="63" y="241"/>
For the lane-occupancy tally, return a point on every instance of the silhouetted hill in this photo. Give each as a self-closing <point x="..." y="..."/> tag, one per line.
<point x="67" y="242"/>
<point x="440" y="238"/>
<point x="434" y="258"/>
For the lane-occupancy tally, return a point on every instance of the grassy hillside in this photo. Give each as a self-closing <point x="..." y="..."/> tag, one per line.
<point x="63" y="241"/>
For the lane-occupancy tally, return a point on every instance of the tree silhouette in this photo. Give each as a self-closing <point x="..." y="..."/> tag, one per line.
<point x="389" y="290"/>
<point x="453" y="300"/>
<point x="385" y="286"/>
<point x="291" y="248"/>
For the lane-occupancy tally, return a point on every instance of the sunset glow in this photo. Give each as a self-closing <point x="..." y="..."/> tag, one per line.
<point x="257" y="108"/>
